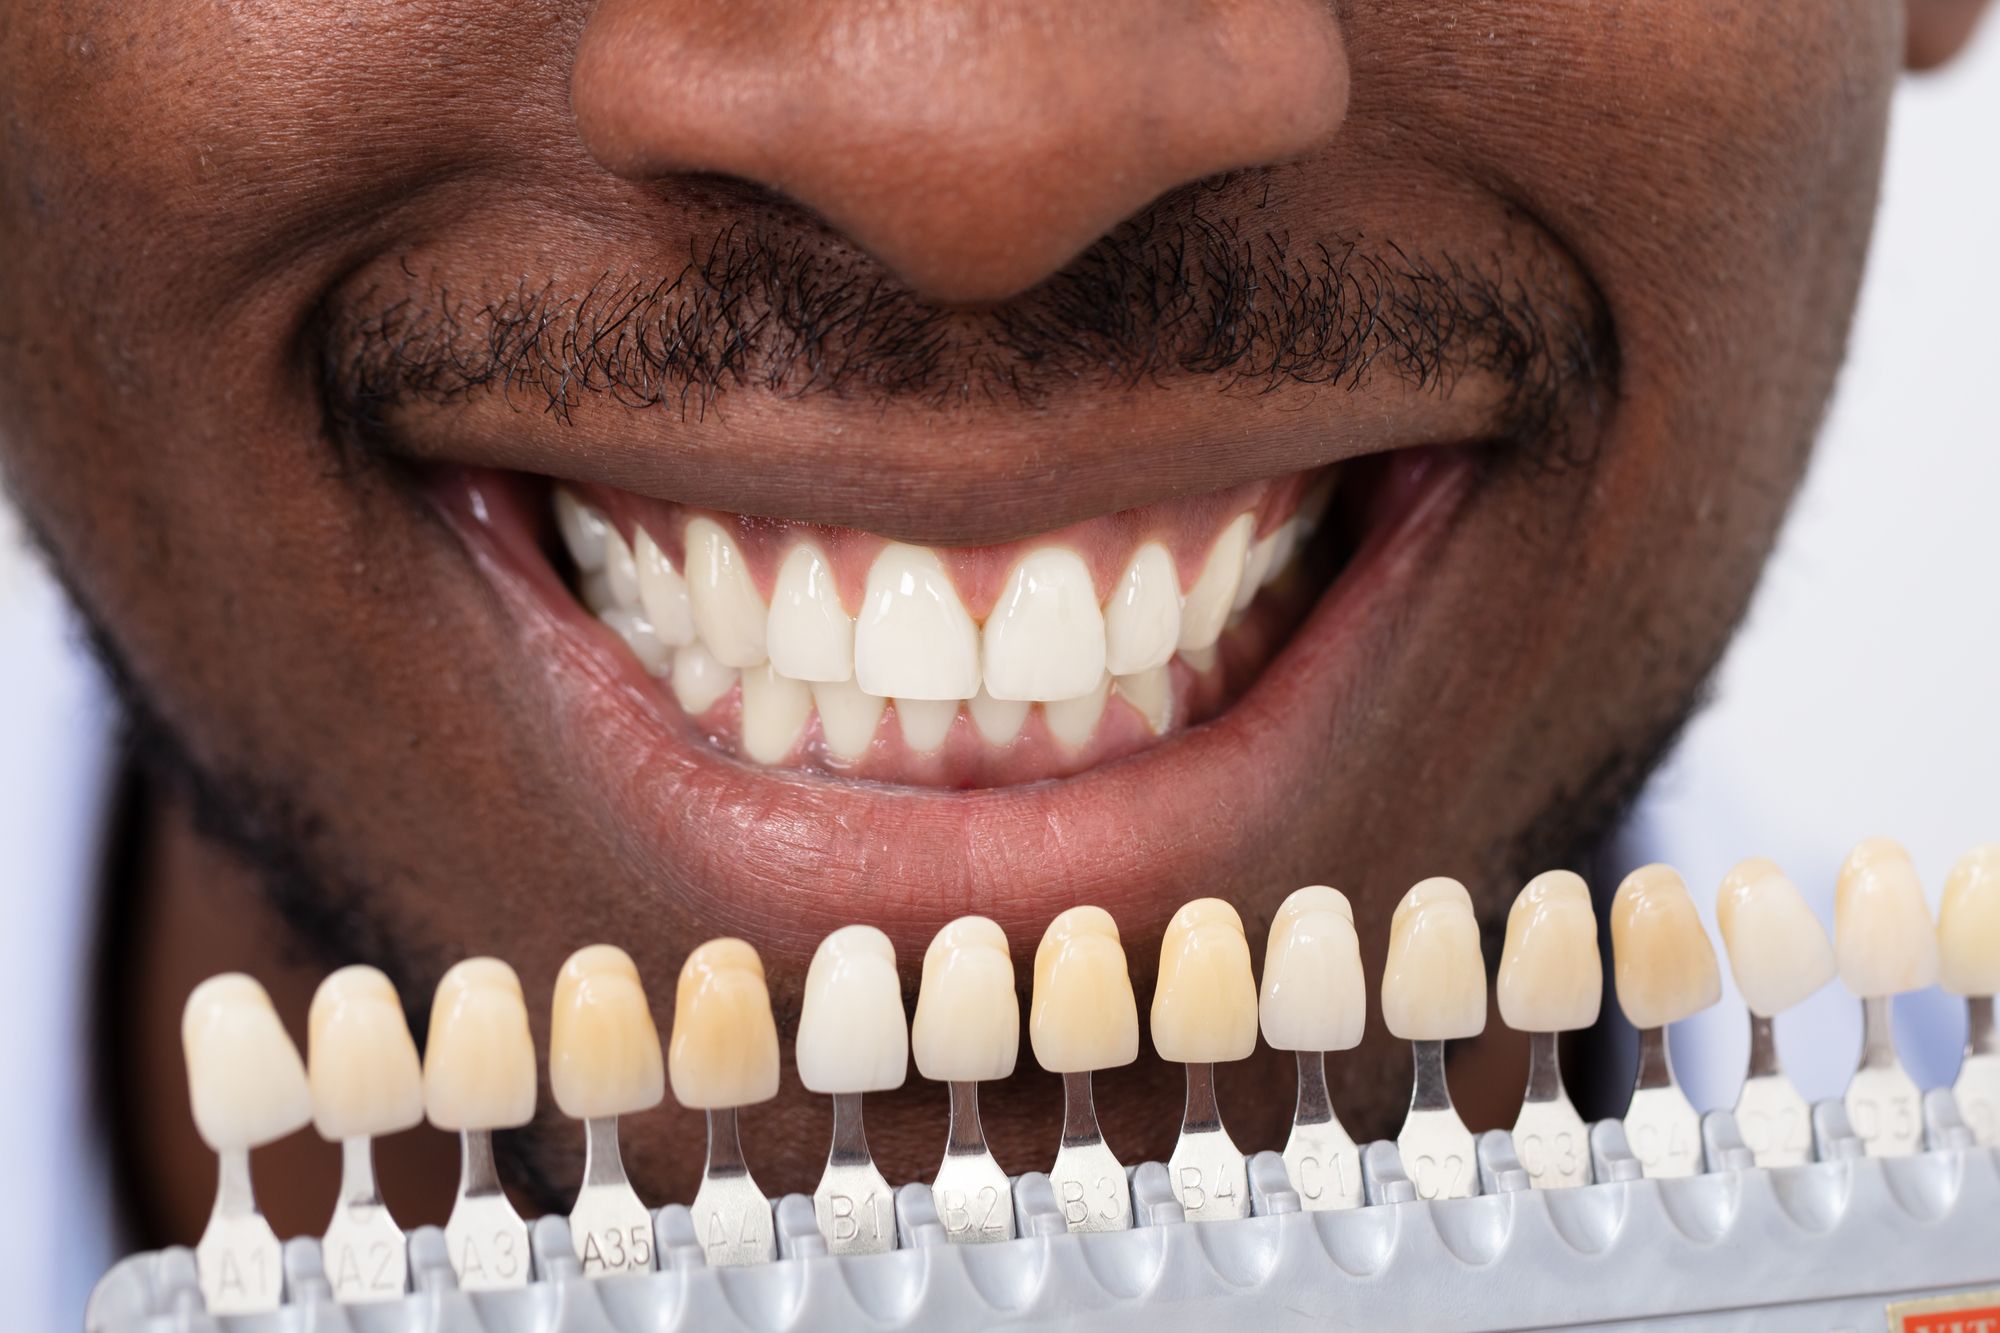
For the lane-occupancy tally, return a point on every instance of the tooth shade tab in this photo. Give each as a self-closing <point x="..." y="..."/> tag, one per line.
<point x="361" y="1061"/>
<point x="1969" y="924"/>
<point x="914" y="638"/>
<point x="246" y="1082"/>
<point x="479" y="1060"/>
<point x="1551" y="979"/>
<point x="1084" y="1016"/>
<point x="1665" y="967"/>
<point x="1205" y="1000"/>
<point x="1778" y="950"/>
<point x="852" y="1034"/>
<point x="1883" y="936"/>
<point x="1434" y="981"/>
<point x="1044" y="638"/>
<point x="809" y="635"/>
<point x="604" y="1052"/>
<point x="968" y="1024"/>
<point x="1314" y="996"/>
<point x="724" y="1048"/>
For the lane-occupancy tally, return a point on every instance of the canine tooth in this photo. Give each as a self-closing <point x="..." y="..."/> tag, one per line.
<point x="621" y="572"/>
<point x="638" y="635"/>
<point x="1664" y="966"/>
<point x="1206" y="607"/>
<point x="968" y="1024"/>
<point x="1778" y="951"/>
<point x="729" y="615"/>
<point x="247" y="1087"/>
<point x="360" y="1058"/>
<point x="1314" y="1000"/>
<point x="582" y="529"/>
<point x="847" y="717"/>
<point x="1083" y="1018"/>
<point x="775" y="711"/>
<point x="1969" y="924"/>
<point x="1044" y="638"/>
<point x="723" y="1056"/>
<point x="1151" y="693"/>
<point x="1204" y="1012"/>
<point x="604" y="1062"/>
<point x="999" y="720"/>
<point x="1434" y="981"/>
<point x="809" y="634"/>
<point x="1142" y="622"/>
<point x="925" y="722"/>
<point x="1256" y="569"/>
<point x="479" y="1076"/>
<point x="1883" y="936"/>
<point x="663" y="593"/>
<point x="914" y="639"/>
<point x="852" y="1035"/>
<point x="1073" y="721"/>
<point x="698" y="680"/>
<point x="1314" y="996"/>
<point x="1551" y="979"/>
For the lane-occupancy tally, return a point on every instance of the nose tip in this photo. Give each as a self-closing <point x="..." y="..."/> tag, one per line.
<point x="972" y="148"/>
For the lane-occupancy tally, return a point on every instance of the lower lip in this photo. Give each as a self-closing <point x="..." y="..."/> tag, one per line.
<point x="787" y="857"/>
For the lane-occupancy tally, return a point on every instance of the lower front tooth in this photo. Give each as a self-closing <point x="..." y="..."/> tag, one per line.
<point x="999" y="720"/>
<point x="775" y="711"/>
<point x="698" y="679"/>
<point x="1151" y="693"/>
<point x="639" y="637"/>
<point x="848" y="717"/>
<point x="1072" y="721"/>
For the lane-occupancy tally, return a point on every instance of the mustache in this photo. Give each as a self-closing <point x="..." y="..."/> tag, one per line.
<point x="1173" y="295"/>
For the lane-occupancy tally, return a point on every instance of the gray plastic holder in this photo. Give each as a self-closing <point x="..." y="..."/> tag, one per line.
<point x="1823" y="1246"/>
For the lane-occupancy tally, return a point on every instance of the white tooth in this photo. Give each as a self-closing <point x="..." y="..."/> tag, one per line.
<point x="1433" y="981"/>
<point x="1256" y="567"/>
<point x="663" y="593"/>
<point x="639" y="637"/>
<point x="1551" y="978"/>
<point x="914" y="639"/>
<point x="1969" y="924"/>
<point x="1314" y="996"/>
<point x="1072" y="721"/>
<point x="1663" y="966"/>
<point x="582" y="529"/>
<point x="698" y="679"/>
<point x="1151" y="692"/>
<point x="1142" y="622"/>
<point x="1777" y="948"/>
<point x="728" y="614"/>
<point x="621" y="574"/>
<point x="999" y="720"/>
<point x="848" y="716"/>
<point x="245" y="1078"/>
<point x="360" y="1058"/>
<point x="925" y="722"/>
<point x="596" y="589"/>
<point x="1044" y="638"/>
<point x="810" y="634"/>
<point x="1882" y="928"/>
<point x="775" y="711"/>
<point x="1206" y="607"/>
<point x="852" y="1036"/>
<point x="968" y="1023"/>
<point x="1202" y="660"/>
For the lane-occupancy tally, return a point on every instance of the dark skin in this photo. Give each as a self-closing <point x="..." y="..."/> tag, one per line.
<point x="362" y="764"/>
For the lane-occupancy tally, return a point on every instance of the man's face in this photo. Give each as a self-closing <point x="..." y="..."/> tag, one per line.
<point x="306" y="306"/>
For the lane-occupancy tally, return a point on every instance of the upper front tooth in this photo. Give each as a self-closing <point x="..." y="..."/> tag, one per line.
<point x="1045" y="636"/>
<point x="1142" y="623"/>
<point x="1551" y="979"/>
<point x="968" y="1025"/>
<point x="663" y="593"/>
<point x="1205" y="1001"/>
<point x="1071" y="721"/>
<point x="852" y="1036"/>
<point x="1882" y="928"/>
<point x="245" y="1079"/>
<point x="1083" y="1016"/>
<point x="810" y="634"/>
<point x="360" y="1058"/>
<point x="724" y="1050"/>
<point x="1778" y="951"/>
<point x="604" y="1052"/>
<point x="1434" y="981"/>
<point x="1969" y="924"/>
<point x="776" y="709"/>
<point x="914" y="639"/>
<point x="1314" y="996"/>
<point x="848" y="717"/>
<point x="582" y="529"/>
<point x="479" y="1063"/>
<point x="1663" y="965"/>
<point x="621" y="571"/>
<point x="1206" y="607"/>
<point x="728" y="613"/>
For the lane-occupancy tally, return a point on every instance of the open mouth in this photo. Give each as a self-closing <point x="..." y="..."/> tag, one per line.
<point x="839" y="652"/>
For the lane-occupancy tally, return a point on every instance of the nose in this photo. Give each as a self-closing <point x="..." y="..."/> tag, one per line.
<point x="974" y="147"/>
